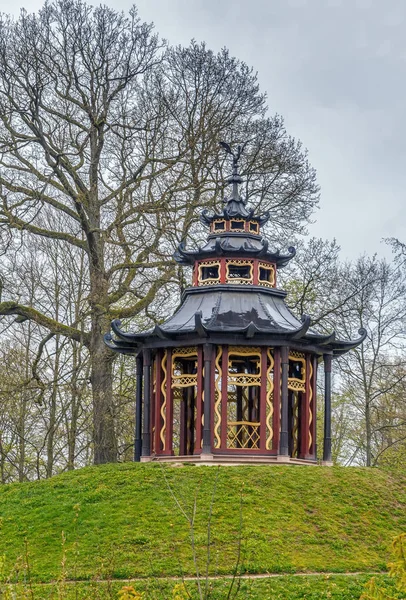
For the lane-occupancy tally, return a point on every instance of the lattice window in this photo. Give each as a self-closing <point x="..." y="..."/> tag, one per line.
<point x="219" y="226"/>
<point x="184" y="367"/>
<point x="209" y="272"/>
<point x="239" y="271"/>
<point x="237" y="225"/>
<point x="266" y="274"/>
<point x="254" y="227"/>
<point x="297" y="372"/>
<point x="244" y="366"/>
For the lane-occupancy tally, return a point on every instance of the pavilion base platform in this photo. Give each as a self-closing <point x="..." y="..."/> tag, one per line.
<point x="230" y="460"/>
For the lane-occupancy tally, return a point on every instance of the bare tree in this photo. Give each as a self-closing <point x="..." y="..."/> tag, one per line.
<point x="107" y="145"/>
<point x="376" y="369"/>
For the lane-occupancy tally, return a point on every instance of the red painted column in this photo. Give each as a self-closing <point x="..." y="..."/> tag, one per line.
<point x="196" y="274"/>
<point x="262" y="400"/>
<point x="199" y="401"/>
<point x="212" y="393"/>
<point x="222" y="270"/>
<point x="313" y="406"/>
<point x="284" y="435"/>
<point x="304" y="415"/>
<point x="224" y="397"/>
<point x="276" y="399"/>
<point x="169" y="407"/>
<point x="255" y="269"/>
<point x="157" y="402"/>
<point x="208" y="399"/>
<point x="182" y="423"/>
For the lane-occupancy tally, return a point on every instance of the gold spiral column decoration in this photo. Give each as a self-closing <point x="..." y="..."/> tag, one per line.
<point x="269" y="400"/>
<point x="310" y="404"/>
<point x="295" y="424"/>
<point x="217" y="395"/>
<point x="163" y="405"/>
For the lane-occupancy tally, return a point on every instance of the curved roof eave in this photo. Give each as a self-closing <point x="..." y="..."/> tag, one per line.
<point x="188" y="257"/>
<point x="340" y="347"/>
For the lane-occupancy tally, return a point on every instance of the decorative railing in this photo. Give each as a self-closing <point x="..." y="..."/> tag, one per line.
<point x="243" y="434"/>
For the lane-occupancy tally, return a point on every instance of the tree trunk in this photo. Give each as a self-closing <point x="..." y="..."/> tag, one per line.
<point x="104" y="434"/>
<point x="368" y="434"/>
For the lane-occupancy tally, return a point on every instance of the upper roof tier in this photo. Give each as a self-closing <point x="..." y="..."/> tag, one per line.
<point x="235" y="231"/>
<point x="233" y="298"/>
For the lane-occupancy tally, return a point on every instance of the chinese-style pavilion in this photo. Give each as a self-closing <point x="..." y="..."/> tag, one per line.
<point x="231" y="376"/>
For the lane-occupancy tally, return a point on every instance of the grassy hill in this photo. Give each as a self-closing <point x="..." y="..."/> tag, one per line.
<point x="133" y="521"/>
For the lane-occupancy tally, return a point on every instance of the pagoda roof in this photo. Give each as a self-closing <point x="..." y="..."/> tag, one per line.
<point x="234" y="244"/>
<point x="233" y="313"/>
<point x="227" y="310"/>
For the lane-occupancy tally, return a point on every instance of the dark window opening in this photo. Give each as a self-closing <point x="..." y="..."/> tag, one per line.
<point x="219" y="226"/>
<point x="242" y="365"/>
<point x="239" y="272"/>
<point x="295" y="369"/>
<point x="254" y="227"/>
<point x="211" y="272"/>
<point x="237" y="225"/>
<point x="265" y="274"/>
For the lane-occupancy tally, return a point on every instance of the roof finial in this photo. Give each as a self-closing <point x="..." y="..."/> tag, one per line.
<point x="235" y="204"/>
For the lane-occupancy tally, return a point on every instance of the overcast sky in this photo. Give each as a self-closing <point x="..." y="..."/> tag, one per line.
<point x="335" y="69"/>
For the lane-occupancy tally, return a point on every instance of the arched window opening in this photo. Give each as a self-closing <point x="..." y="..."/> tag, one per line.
<point x="184" y="386"/>
<point x="243" y="399"/>
<point x="209" y="273"/>
<point x="239" y="271"/>
<point x="296" y="387"/>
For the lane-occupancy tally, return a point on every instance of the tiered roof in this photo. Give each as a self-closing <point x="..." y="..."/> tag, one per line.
<point x="233" y="306"/>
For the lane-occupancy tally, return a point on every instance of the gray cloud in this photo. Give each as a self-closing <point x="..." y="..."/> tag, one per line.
<point x="336" y="71"/>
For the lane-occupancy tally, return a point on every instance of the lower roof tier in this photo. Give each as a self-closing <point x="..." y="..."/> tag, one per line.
<point x="228" y="310"/>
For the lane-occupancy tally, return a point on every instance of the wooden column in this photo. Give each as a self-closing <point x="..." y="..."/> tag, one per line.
<point x="256" y="272"/>
<point x="199" y="401"/>
<point x="146" y="436"/>
<point x="223" y="270"/>
<point x="157" y="402"/>
<point x="313" y="427"/>
<point x="304" y="415"/>
<point x="183" y="423"/>
<point x="224" y="397"/>
<point x="190" y="414"/>
<point x="262" y="401"/>
<point x="169" y="406"/>
<point x="208" y="376"/>
<point x="327" y="408"/>
<point x="276" y="399"/>
<point x="138" y="410"/>
<point x="284" y="438"/>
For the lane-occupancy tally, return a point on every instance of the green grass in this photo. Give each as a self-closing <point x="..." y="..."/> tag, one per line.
<point x="289" y="587"/>
<point x="128" y="525"/>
